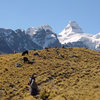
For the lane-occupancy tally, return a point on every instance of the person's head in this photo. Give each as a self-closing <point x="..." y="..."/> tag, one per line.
<point x="33" y="76"/>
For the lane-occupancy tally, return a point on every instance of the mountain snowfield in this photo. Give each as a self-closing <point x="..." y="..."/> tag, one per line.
<point x="44" y="36"/>
<point x="73" y="34"/>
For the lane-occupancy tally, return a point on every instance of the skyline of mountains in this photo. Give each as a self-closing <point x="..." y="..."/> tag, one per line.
<point x="73" y="36"/>
<point x="32" y="38"/>
<point x="44" y="36"/>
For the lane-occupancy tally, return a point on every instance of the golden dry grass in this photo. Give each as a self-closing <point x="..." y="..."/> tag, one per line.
<point x="74" y="74"/>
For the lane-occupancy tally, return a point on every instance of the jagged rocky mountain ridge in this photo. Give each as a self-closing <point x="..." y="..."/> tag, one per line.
<point x="32" y="38"/>
<point x="43" y="36"/>
<point x="15" y="40"/>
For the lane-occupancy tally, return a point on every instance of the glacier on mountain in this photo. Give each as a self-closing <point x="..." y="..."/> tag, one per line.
<point x="73" y="33"/>
<point x="44" y="36"/>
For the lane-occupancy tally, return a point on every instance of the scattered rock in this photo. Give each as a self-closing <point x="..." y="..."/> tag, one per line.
<point x="18" y="65"/>
<point x="47" y="49"/>
<point x="15" y="89"/>
<point x="25" y="60"/>
<point x="36" y="54"/>
<point x="96" y="86"/>
<point x="44" y="57"/>
<point x="11" y="85"/>
<point x="31" y="62"/>
<point x="17" y="82"/>
<point x="6" y="69"/>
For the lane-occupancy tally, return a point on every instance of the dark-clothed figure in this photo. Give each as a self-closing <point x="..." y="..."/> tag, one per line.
<point x="14" y="51"/>
<point x="25" y="52"/>
<point x="33" y="86"/>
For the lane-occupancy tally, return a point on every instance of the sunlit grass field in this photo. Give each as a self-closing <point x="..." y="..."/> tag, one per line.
<point x="61" y="74"/>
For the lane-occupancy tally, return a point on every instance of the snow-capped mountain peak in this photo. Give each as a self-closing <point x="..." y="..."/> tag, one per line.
<point x="31" y="31"/>
<point x="71" y="33"/>
<point x="43" y="36"/>
<point x="73" y="36"/>
<point x="46" y="27"/>
<point x="97" y="36"/>
<point x="73" y="27"/>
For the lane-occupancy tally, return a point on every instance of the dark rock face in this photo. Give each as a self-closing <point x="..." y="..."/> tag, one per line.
<point x="76" y="44"/>
<point x="15" y="40"/>
<point x="20" y="41"/>
<point x="46" y="38"/>
<point x="4" y="48"/>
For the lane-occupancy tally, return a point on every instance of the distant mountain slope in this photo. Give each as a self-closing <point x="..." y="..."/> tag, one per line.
<point x="43" y="36"/>
<point x="19" y="40"/>
<point x="74" y="35"/>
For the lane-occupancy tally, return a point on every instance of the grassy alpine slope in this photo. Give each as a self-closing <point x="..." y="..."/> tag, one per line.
<point x="61" y="74"/>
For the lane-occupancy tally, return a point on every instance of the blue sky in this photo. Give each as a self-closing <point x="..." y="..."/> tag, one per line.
<point x="23" y="14"/>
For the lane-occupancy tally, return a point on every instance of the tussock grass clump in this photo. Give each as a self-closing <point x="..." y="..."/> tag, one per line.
<point x="65" y="73"/>
<point x="44" y="94"/>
